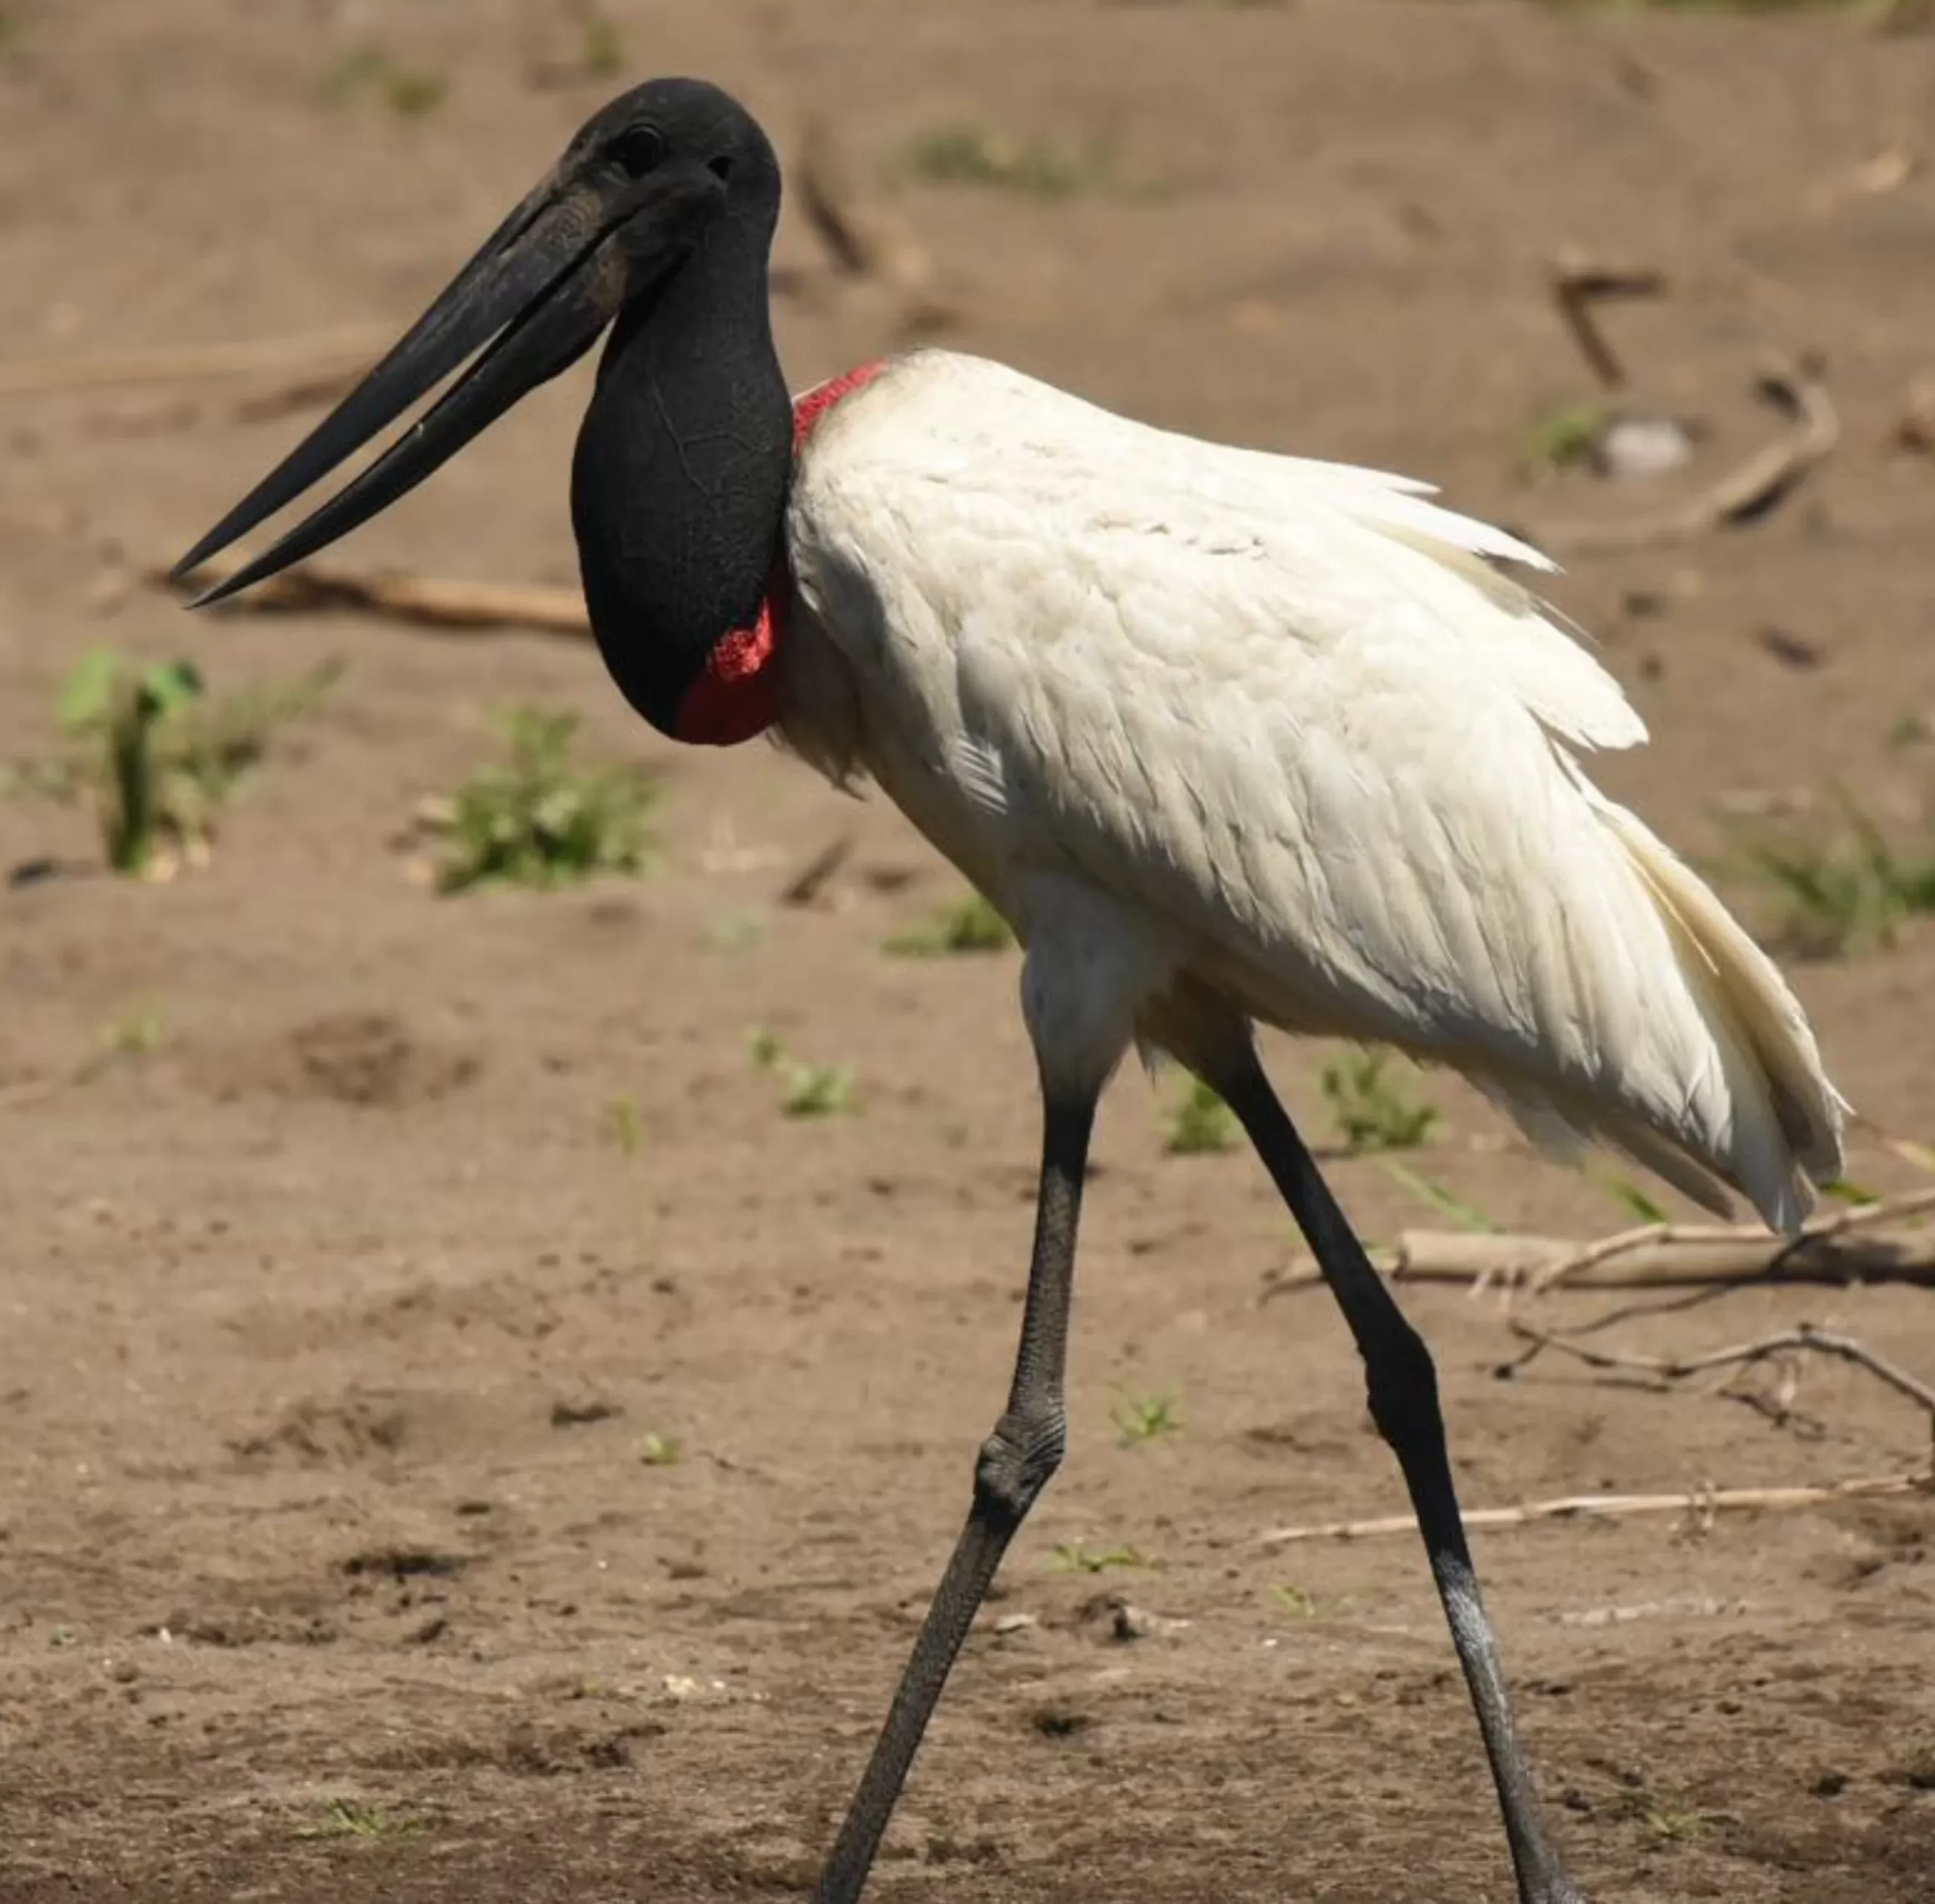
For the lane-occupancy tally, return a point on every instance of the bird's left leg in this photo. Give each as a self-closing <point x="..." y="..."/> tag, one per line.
<point x="1080" y="1033"/>
<point x="1403" y="1390"/>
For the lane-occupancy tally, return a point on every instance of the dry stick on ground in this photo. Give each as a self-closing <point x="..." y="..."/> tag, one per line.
<point x="1668" y="1369"/>
<point x="1842" y="1246"/>
<point x="1578" y="283"/>
<point x="425" y="600"/>
<point x="1702" y="1503"/>
<point x="1745" y="493"/>
<point x="311" y="356"/>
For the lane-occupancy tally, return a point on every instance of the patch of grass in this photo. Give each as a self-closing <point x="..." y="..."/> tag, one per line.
<point x="1138" y="1418"/>
<point x="1073" y="1557"/>
<point x="1370" y="1112"/>
<point x="1467" y="1216"/>
<point x="624" y="1124"/>
<point x="368" y="72"/>
<point x="1294" y="1602"/>
<point x="734" y="931"/>
<point x="351" y="1818"/>
<point x="965" y="154"/>
<point x="156" y="757"/>
<point x="970" y="925"/>
<point x="1200" y="1123"/>
<point x="657" y="1450"/>
<point x="1840" y="889"/>
<point x="133" y="1033"/>
<point x="806" y="1090"/>
<point x="538" y="819"/>
<point x="601" y="47"/>
<point x="1568" y="436"/>
<point x="1678" y="1826"/>
<point x="1632" y="1200"/>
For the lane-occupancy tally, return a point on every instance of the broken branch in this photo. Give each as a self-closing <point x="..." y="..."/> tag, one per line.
<point x="1578" y="283"/>
<point x="1616" y="1507"/>
<point x="427" y="601"/>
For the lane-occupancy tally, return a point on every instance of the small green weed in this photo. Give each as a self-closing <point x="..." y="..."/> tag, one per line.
<point x="156" y="757"/>
<point x="979" y="155"/>
<point x="624" y="1124"/>
<point x="1568" y="436"/>
<point x="1070" y="1556"/>
<point x="1294" y="1602"/>
<point x="1467" y="1216"/>
<point x="1842" y="889"/>
<point x="657" y="1450"/>
<point x="806" y="1090"/>
<point x="133" y="1033"/>
<point x="351" y="1818"/>
<point x="970" y="925"/>
<point x="1632" y="1200"/>
<point x="1200" y="1123"/>
<point x="537" y="820"/>
<point x="1678" y="1826"/>
<point x="1138" y="1418"/>
<point x="601" y="47"/>
<point x="368" y="72"/>
<point x="1371" y="1112"/>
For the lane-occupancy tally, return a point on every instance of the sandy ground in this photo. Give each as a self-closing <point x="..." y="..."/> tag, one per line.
<point x="337" y="1323"/>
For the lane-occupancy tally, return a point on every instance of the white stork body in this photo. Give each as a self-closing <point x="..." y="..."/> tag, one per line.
<point x="1275" y="729"/>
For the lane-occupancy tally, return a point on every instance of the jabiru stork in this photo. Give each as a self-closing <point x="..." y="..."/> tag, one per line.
<point x="1230" y="739"/>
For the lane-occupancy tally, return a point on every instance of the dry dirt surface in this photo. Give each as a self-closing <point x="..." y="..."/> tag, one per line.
<point x="461" y="1439"/>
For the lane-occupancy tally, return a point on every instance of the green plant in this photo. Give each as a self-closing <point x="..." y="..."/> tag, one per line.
<point x="657" y="1450"/>
<point x="806" y="1090"/>
<point x="1840" y="889"/>
<point x="133" y="1033"/>
<point x="1072" y="1557"/>
<point x="368" y="71"/>
<point x="1569" y="435"/>
<point x="1371" y="1112"/>
<point x="1200" y="1123"/>
<point x="970" y="925"/>
<point x="351" y="1818"/>
<point x="536" y="819"/>
<point x="1138" y="1418"/>
<point x="1295" y="1601"/>
<point x="624" y="1123"/>
<point x="158" y="758"/>
<point x="1467" y="1216"/>
<point x="979" y="155"/>
<point x="601" y="50"/>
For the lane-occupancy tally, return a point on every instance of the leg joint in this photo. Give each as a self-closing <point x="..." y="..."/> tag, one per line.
<point x="1017" y="1460"/>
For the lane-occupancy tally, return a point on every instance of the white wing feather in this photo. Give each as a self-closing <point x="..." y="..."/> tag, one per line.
<point x="1288" y="710"/>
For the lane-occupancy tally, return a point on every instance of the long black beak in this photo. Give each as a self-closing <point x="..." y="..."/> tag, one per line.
<point x="538" y="292"/>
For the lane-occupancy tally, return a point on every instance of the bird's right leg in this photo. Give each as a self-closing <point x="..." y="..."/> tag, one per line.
<point x="1026" y="1447"/>
<point x="1402" y="1389"/>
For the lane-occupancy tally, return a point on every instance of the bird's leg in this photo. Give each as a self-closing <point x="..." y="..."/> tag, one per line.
<point x="1403" y="1387"/>
<point x="1014" y="1466"/>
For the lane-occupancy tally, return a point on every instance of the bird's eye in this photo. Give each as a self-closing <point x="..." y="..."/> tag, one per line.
<point x="639" y="148"/>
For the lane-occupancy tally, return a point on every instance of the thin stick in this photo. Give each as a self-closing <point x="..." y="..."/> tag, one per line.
<point x="1578" y="283"/>
<point x="427" y="601"/>
<point x="1614" y="1507"/>
<point x="1745" y="493"/>
<point x="184" y="363"/>
<point x="1839" y="1247"/>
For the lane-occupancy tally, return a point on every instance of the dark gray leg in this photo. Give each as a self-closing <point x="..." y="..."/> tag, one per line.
<point x="1015" y="1463"/>
<point x="1402" y="1388"/>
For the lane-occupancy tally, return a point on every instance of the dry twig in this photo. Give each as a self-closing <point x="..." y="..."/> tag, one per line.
<point x="425" y="600"/>
<point x="806" y="885"/>
<point x="1844" y="1246"/>
<point x="1578" y="283"/>
<point x="1702" y="1503"/>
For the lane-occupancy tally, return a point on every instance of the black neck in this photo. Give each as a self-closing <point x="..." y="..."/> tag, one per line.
<point x="678" y="482"/>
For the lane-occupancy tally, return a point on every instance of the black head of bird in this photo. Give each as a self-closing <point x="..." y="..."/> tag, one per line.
<point x="657" y="220"/>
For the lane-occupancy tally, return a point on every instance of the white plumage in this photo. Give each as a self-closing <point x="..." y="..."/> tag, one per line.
<point x="1223" y="731"/>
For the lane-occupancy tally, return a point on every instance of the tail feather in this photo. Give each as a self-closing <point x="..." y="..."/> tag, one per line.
<point x="1782" y="1131"/>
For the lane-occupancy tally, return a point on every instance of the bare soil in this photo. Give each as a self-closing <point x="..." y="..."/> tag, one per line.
<point x="335" y="1324"/>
